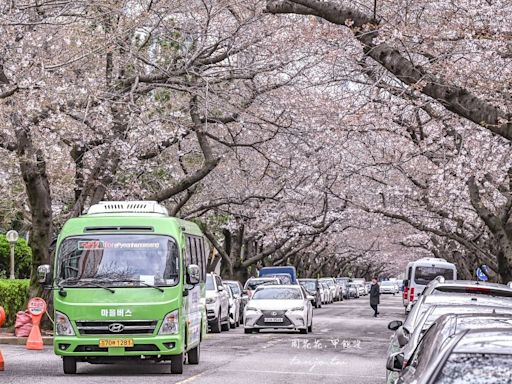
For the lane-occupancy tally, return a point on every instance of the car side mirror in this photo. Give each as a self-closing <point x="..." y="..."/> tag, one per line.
<point x="394" y="325"/>
<point x="395" y="362"/>
<point x="193" y="275"/>
<point x="44" y="274"/>
<point x="220" y="288"/>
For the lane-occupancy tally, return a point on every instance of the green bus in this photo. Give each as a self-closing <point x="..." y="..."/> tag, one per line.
<point x="128" y="283"/>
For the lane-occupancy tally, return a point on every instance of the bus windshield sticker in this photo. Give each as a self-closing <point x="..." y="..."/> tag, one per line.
<point x="87" y="245"/>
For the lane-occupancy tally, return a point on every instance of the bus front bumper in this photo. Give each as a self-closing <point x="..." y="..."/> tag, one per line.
<point x="150" y="346"/>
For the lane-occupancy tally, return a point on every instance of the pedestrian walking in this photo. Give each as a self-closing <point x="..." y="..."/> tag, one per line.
<point x="375" y="296"/>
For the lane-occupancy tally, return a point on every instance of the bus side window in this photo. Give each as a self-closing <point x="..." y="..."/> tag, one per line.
<point x="188" y="250"/>
<point x="201" y="259"/>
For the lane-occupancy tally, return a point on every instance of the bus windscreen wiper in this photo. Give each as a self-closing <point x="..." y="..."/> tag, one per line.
<point x="141" y="282"/>
<point x="81" y="283"/>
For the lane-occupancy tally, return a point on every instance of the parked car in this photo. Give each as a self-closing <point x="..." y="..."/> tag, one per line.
<point x="254" y="282"/>
<point x="238" y="291"/>
<point x="278" y="307"/>
<point x="361" y="290"/>
<point x="335" y="288"/>
<point x="482" y="356"/>
<point x="312" y="287"/>
<point x="234" y="308"/>
<point x="353" y="290"/>
<point x="432" y="316"/>
<point x="388" y="287"/>
<point x="362" y="282"/>
<point x="343" y="281"/>
<point x="217" y="304"/>
<point x="326" y="293"/>
<point x="404" y="331"/>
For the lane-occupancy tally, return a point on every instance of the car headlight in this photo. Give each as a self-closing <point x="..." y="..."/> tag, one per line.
<point x="170" y="325"/>
<point x="297" y="309"/>
<point x="63" y="325"/>
<point x="251" y="309"/>
<point x="211" y="300"/>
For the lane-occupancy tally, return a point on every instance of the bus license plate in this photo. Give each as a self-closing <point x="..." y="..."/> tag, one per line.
<point x="273" y="319"/>
<point x="112" y="343"/>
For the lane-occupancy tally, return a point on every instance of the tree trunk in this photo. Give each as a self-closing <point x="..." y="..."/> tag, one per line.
<point x="33" y="170"/>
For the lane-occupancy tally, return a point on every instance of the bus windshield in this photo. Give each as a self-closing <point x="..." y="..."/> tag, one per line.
<point x="424" y="275"/>
<point x="118" y="260"/>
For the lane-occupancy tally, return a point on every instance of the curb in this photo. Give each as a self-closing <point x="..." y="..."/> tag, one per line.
<point x="13" y="340"/>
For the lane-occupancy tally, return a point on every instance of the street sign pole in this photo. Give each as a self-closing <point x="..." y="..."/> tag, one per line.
<point x="12" y="238"/>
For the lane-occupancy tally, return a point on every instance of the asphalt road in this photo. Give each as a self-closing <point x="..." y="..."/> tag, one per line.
<point x="347" y="345"/>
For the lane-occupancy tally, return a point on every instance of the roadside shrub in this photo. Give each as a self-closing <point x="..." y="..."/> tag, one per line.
<point x="13" y="295"/>
<point x="22" y="258"/>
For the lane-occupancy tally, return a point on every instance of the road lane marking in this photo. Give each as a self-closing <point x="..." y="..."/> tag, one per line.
<point x="300" y="373"/>
<point x="191" y="378"/>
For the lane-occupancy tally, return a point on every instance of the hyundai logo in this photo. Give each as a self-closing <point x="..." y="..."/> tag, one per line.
<point x="116" y="328"/>
<point x="274" y="313"/>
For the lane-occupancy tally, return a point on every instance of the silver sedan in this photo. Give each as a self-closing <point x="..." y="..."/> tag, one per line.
<point x="279" y="307"/>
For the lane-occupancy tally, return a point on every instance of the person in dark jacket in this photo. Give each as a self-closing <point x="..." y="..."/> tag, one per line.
<point x="375" y="296"/>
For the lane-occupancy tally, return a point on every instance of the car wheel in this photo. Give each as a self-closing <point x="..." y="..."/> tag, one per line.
<point x="310" y="328"/>
<point x="247" y="330"/>
<point x="193" y="355"/>
<point x="216" y="325"/>
<point x="225" y="326"/>
<point x="304" y="331"/>
<point x="177" y="364"/>
<point x="69" y="365"/>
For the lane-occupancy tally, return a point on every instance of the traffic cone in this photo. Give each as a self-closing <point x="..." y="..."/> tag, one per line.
<point x="1" y="362"/>
<point x="35" y="341"/>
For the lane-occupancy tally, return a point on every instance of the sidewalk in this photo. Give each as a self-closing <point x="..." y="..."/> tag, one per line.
<point x="9" y="338"/>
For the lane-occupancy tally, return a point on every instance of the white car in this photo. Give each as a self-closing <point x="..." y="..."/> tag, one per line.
<point x="325" y="293"/>
<point x="388" y="287"/>
<point x="279" y="307"/>
<point x="217" y="304"/>
<point x="234" y="308"/>
<point x="335" y="288"/>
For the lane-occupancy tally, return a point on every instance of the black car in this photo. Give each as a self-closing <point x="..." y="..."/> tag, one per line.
<point x="312" y="287"/>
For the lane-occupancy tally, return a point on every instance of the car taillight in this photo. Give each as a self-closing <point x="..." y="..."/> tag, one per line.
<point x="406" y="292"/>
<point x="412" y="294"/>
<point x="478" y="289"/>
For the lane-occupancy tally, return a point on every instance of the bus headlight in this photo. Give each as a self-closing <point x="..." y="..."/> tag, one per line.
<point x="63" y="325"/>
<point x="170" y="325"/>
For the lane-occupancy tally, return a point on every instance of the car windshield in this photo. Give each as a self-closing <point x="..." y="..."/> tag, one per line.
<point x="472" y="290"/>
<point x="120" y="260"/>
<point x="424" y="275"/>
<point x="476" y="368"/>
<point x="253" y="284"/>
<point x="277" y="294"/>
<point x="234" y="287"/>
<point x="309" y="285"/>
<point x="210" y="286"/>
<point x="328" y="282"/>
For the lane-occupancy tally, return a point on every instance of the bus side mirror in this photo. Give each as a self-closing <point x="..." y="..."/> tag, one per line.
<point x="44" y="274"/>
<point x="193" y="274"/>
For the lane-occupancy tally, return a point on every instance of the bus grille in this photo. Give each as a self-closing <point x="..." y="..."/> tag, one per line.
<point x="101" y="327"/>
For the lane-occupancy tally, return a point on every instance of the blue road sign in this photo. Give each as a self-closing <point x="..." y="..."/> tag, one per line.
<point x="480" y="273"/>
